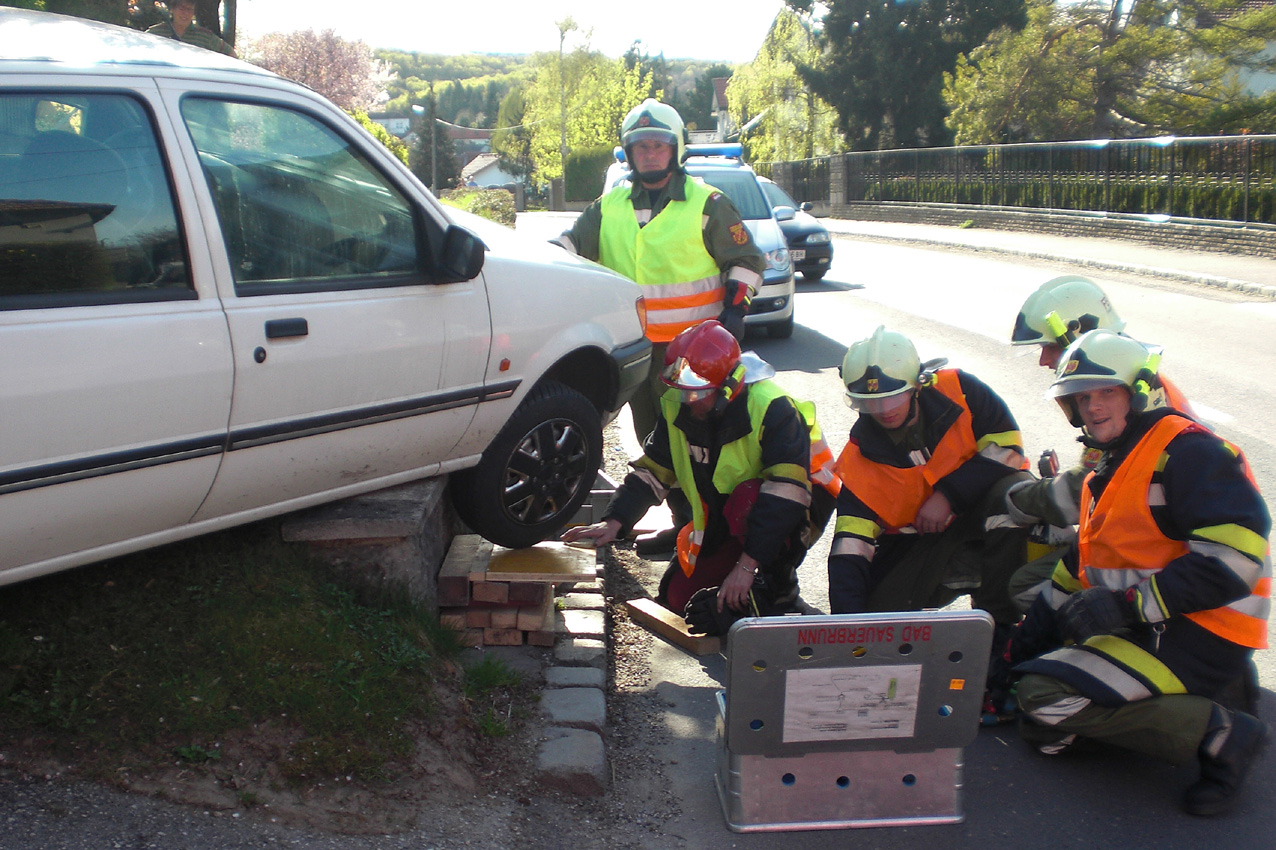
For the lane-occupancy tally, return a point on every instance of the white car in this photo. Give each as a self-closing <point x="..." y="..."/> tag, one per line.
<point x="221" y="299"/>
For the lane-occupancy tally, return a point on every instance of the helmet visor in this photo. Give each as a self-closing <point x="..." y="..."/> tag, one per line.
<point x="1077" y="386"/>
<point x="878" y="403"/>
<point x="681" y="375"/>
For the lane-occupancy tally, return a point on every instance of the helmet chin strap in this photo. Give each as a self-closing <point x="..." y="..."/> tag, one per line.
<point x="655" y="176"/>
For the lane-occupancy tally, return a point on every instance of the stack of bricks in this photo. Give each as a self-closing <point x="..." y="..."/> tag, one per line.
<point x="505" y="597"/>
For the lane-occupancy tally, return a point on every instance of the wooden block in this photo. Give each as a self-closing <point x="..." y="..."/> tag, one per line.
<point x="472" y="637"/>
<point x="545" y="562"/>
<point x="529" y="592"/>
<point x="502" y="637"/>
<point x="505" y="618"/>
<point x="539" y="617"/>
<point x="453" y="618"/>
<point x="466" y="552"/>
<point x="655" y="617"/>
<point x="478" y="618"/>
<point x="541" y="638"/>
<point x="490" y="591"/>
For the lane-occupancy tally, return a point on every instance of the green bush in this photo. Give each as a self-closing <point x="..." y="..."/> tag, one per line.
<point x="494" y="204"/>
<point x="585" y="170"/>
<point x="382" y="135"/>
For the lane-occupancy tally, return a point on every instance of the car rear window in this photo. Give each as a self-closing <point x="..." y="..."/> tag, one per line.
<point x="86" y="210"/>
<point x="740" y="186"/>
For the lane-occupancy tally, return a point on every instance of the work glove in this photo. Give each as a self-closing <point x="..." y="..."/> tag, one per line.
<point x="703" y="616"/>
<point x="732" y="318"/>
<point x="1095" y="611"/>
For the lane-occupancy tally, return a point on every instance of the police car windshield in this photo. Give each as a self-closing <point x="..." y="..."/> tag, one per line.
<point x="738" y="185"/>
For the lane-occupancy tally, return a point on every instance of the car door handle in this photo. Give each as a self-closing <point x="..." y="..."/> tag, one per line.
<point x="280" y="328"/>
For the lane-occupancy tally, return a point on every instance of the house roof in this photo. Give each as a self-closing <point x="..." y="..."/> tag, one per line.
<point x="720" y="93"/>
<point x="479" y="163"/>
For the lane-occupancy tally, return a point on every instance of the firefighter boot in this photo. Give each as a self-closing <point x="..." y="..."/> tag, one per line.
<point x="1231" y="745"/>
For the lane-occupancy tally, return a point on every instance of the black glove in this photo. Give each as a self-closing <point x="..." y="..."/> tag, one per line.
<point x="732" y="318"/>
<point x="1095" y="611"/>
<point x="703" y="616"/>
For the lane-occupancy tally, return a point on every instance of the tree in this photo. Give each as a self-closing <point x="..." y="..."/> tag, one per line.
<point x="579" y="99"/>
<point x="512" y="141"/>
<point x="1100" y="70"/>
<point x="343" y="71"/>
<point x="439" y="168"/>
<point x="785" y="120"/>
<point x="883" y="63"/>
<point x="696" y="106"/>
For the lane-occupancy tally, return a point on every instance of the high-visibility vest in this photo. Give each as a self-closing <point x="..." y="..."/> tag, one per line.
<point x="739" y="461"/>
<point x="1119" y="543"/>
<point x="896" y="494"/>
<point x="681" y="282"/>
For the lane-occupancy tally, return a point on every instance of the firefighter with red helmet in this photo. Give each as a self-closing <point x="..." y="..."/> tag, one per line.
<point x="684" y="242"/>
<point x="754" y="467"/>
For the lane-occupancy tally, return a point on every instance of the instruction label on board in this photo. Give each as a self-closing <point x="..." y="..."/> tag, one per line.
<point x="845" y="703"/>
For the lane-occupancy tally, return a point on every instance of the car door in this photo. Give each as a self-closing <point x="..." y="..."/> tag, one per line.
<point x="354" y="368"/>
<point x="115" y="367"/>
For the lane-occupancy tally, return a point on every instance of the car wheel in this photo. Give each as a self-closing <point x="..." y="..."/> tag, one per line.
<point x="815" y="276"/>
<point x="781" y="330"/>
<point x="536" y="473"/>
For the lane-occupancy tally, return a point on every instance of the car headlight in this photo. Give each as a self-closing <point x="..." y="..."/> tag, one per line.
<point x="817" y="238"/>
<point x="778" y="259"/>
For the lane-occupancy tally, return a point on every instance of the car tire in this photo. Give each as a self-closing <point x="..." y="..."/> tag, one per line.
<point x="814" y="277"/>
<point x="536" y="473"/>
<point x="781" y="330"/>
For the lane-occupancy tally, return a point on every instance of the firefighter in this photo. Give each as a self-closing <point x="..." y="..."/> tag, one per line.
<point x="682" y="241"/>
<point x="920" y="518"/>
<point x="1053" y="316"/>
<point x="754" y="467"/>
<point x="1170" y="584"/>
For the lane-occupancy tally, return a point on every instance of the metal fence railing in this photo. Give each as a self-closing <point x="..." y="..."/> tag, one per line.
<point x="1225" y="178"/>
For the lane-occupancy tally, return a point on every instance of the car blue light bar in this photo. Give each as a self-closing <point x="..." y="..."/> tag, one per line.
<point x="731" y="150"/>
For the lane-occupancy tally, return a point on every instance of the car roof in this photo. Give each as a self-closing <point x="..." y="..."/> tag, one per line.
<point x="44" y="39"/>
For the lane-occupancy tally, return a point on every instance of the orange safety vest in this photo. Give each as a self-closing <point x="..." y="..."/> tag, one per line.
<point x="895" y="494"/>
<point x="1118" y="533"/>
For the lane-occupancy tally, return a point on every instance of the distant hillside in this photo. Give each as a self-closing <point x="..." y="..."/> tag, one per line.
<point x="469" y="88"/>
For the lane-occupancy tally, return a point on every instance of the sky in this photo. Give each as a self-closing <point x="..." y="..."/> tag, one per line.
<point x="727" y="31"/>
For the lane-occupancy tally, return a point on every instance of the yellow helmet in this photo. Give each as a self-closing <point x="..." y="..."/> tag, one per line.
<point x="1105" y="358"/>
<point x="1062" y="309"/>
<point x="880" y="367"/>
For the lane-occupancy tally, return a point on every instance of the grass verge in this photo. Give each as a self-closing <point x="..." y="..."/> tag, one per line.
<point x="160" y="655"/>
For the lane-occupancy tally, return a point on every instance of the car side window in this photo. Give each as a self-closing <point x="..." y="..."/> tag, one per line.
<point x="87" y="214"/>
<point x="300" y="206"/>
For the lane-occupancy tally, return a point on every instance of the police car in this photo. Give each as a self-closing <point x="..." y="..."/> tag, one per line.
<point x="809" y="245"/>
<point x="722" y="166"/>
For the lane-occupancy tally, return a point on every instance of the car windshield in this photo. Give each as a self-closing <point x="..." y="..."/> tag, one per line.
<point x="738" y="185"/>
<point x="777" y="196"/>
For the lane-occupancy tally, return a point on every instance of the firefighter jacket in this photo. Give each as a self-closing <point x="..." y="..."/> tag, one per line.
<point x="762" y="434"/>
<point x="1181" y="520"/>
<point x="680" y="243"/>
<point x="1171" y="515"/>
<point x="962" y="442"/>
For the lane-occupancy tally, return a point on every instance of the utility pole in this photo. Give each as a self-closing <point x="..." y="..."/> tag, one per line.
<point x="565" y="26"/>
<point x="434" y="142"/>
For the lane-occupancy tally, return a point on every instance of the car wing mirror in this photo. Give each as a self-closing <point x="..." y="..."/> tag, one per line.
<point x="463" y="255"/>
<point x="785" y="213"/>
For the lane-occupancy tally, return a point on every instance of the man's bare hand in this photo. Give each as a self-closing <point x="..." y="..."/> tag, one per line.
<point x="734" y="591"/>
<point x="935" y="514"/>
<point x="600" y="533"/>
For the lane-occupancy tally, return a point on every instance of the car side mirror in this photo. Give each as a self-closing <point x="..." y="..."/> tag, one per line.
<point x="806" y="206"/>
<point x="785" y="213"/>
<point x="463" y="255"/>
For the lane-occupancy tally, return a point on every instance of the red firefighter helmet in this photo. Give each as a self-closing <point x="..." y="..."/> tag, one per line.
<point x="700" y="360"/>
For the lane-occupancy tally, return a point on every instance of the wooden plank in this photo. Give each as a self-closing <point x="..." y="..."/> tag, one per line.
<point x="478" y="618"/>
<point x="538" y="618"/>
<point x="490" y="591"/>
<point x="542" y="638"/>
<point x="505" y="618"/>
<point x="550" y="562"/>
<point x="531" y="593"/>
<point x="466" y="552"/>
<point x="659" y="619"/>
<point x="472" y="638"/>
<point x="502" y="637"/>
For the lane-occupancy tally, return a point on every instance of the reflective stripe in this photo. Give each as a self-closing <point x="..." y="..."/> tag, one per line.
<point x="1116" y="579"/>
<point x="847" y="545"/>
<point x="566" y="242"/>
<point x="857" y="525"/>
<point x="997" y="521"/>
<point x="747" y="276"/>
<point x="1156" y="496"/>
<point x="1100" y="670"/>
<point x="788" y="491"/>
<point x="1239" y="565"/>
<point x="658" y="488"/>
<point x="1138" y="661"/>
<point x="1237" y="537"/>
<point x="1060" y="710"/>
<point x="1002" y="454"/>
<point x="1064" y="501"/>
<point x="695" y="290"/>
